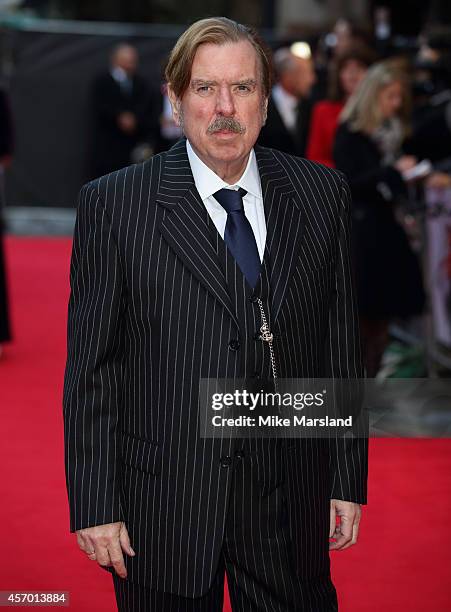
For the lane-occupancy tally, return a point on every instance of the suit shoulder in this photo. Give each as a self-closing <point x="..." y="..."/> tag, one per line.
<point x="101" y="80"/>
<point x="345" y="136"/>
<point x="302" y="167"/>
<point x="144" y="175"/>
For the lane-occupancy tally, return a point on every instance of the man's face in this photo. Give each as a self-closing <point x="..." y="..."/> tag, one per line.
<point x="300" y="78"/>
<point x="127" y="59"/>
<point x="351" y="76"/>
<point x="390" y="99"/>
<point x="224" y="108"/>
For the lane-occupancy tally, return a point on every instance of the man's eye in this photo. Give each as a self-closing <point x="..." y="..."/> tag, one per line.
<point x="244" y="89"/>
<point x="203" y="89"/>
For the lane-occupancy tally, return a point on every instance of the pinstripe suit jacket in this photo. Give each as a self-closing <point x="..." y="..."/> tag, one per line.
<point x="150" y="312"/>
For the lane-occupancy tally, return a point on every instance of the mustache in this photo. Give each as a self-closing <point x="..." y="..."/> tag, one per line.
<point x="226" y="123"/>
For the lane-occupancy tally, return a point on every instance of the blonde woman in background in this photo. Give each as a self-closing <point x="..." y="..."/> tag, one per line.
<point x="345" y="75"/>
<point x="368" y="148"/>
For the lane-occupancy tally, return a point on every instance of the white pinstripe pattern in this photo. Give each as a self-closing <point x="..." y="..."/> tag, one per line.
<point x="154" y="303"/>
<point x="257" y="556"/>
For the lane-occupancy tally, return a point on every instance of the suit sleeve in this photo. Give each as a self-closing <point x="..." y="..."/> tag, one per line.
<point x="348" y="455"/>
<point x="93" y="375"/>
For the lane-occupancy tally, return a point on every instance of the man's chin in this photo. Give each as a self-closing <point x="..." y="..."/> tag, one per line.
<point x="228" y="150"/>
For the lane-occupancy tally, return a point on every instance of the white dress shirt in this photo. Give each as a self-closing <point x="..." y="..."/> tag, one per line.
<point x="287" y="105"/>
<point x="122" y="79"/>
<point x="207" y="183"/>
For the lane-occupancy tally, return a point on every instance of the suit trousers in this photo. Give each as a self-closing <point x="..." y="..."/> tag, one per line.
<point x="256" y="556"/>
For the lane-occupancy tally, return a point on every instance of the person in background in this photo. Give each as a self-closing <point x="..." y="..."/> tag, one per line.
<point x="344" y="37"/>
<point x="123" y="112"/>
<point x="170" y="132"/>
<point x="289" y="106"/>
<point x="368" y="149"/>
<point x="431" y="116"/>
<point x="6" y="145"/>
<point x="344" y="77"/>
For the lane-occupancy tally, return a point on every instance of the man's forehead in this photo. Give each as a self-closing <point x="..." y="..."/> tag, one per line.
<point x="236" y="60"/>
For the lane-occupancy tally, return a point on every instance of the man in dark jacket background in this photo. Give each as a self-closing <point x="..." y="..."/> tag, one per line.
<point x="122" y="112"/>
<point x="289" y="105"/>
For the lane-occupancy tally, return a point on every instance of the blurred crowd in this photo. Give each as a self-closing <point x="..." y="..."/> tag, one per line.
<point x="380" y="115"/>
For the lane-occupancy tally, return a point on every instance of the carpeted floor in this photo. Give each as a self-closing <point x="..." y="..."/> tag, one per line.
<point x="401" y="563"/>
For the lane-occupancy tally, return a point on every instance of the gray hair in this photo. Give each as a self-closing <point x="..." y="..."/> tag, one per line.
<point x="283" y="61"/>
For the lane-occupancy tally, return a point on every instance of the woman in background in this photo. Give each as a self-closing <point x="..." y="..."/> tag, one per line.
<point x="368" y="149"/>
<point x="344" y="77"/>
<point x="5" y="160"/>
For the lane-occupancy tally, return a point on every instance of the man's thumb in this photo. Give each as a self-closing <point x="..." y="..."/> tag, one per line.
<point x="333" y="519"/>
<point x="125" y="541"/>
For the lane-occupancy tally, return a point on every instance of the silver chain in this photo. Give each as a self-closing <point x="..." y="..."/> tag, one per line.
<point x="267" y="336"/>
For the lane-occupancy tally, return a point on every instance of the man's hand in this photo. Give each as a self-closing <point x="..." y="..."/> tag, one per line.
<point x="346" y="531"/>
<point x="105" y="543"/>
<point x="127" y="122"/>
<point x="406" y="162"/>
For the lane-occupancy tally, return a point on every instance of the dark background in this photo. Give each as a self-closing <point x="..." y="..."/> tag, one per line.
<point x="53" y="49"/>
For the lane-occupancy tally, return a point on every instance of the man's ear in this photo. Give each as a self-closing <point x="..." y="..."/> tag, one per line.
<point x="175" y="104"/>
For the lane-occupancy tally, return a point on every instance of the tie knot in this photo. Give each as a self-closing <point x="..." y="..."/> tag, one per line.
<point x="230" y="199"/>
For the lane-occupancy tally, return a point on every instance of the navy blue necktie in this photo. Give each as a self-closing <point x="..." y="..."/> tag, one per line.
<point x="238" y="234"/>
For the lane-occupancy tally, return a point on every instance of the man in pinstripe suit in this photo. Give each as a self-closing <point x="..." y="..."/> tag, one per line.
<point x="162" y="296"/>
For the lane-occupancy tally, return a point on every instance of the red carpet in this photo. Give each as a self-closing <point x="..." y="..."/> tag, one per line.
<point x="401" y="562"/>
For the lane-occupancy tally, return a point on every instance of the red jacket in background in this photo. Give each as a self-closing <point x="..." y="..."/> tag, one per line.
<point x="322" y="132"/>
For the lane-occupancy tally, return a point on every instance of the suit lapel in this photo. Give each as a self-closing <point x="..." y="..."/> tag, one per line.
<point x="185" y="225"/>
<point x="284" y="224"/>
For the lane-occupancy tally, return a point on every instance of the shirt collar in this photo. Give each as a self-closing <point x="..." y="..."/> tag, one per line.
<point x="208" y="182"/>
<point x="119" y="74"/>
<point x="282" y="97"/>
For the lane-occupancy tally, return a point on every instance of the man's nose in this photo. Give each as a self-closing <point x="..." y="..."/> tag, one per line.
<point x="224" y="102"/>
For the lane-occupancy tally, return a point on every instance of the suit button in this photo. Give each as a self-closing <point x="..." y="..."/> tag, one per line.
<point x="234" y="345"/>
<point x="239" y="454"/>
<point x="226" y="461"/>
<point x="253" y="299"/>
